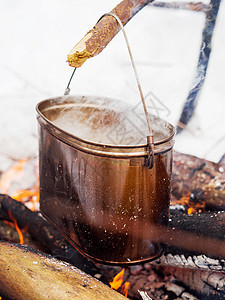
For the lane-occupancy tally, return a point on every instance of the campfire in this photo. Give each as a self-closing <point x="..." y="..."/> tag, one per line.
<point x="184" y="270"/>
<point x="37" y="261"/>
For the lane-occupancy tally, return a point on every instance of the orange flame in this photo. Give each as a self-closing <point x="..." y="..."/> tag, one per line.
<point x="13" y="173"/>
<point x="118" y="282"/>
<point x="191" y="206"/>
<point x="125" y="288"/>
<point x="16" y="226"/>
<point x="190" y="210"/>
<point x="29" y="196"/>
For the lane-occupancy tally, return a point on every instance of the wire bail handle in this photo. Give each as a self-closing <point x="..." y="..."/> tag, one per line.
<point x="150" y="138"/>
<point x="149" y="161"/>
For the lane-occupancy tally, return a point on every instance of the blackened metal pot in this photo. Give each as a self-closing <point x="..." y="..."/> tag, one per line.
<point x="95" y="187"/>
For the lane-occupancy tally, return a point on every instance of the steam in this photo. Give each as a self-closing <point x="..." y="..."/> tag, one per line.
<point x="106" y="121"/>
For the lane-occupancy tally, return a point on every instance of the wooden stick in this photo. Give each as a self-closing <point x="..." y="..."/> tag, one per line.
<point x="103" y="32"/>
<point x="203" y="61"/>
<point x="195" y="6"/>
<point x="28" y="274"/>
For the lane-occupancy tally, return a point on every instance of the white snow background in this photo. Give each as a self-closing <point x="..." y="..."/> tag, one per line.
<point x="36" y="37"/>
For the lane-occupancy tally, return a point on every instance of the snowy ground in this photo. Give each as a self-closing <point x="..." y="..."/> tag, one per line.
<point x="36" y="37"/>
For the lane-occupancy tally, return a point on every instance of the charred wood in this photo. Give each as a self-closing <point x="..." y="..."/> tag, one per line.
<point x="210" y="284"/>
<point x="42" y="231"/>
<point x="149" y="280"/>
<point x="195" y="262"/>
<point x="201" y="179"/>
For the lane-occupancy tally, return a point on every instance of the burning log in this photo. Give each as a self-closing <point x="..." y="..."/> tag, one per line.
<point x="194" y="227"/>
<point x="28" y="274"/>
<point x="8" y="233"/>
<point x="210" y="284"/>
<point x="44" y="233"/>
<point x="103" y="32"/>
<point x="172" y="257"/>
<point x="191" y="175"/>
<point x="166" y="282"/>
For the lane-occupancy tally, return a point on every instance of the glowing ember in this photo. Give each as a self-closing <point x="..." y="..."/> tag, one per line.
<point x="191" y="206"/>
<point x="118" y="283"/>
<point x="16" y="226"/>
<point x="190" y="210"/>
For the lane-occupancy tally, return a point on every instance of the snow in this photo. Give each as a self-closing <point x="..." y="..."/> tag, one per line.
<point x="36" y="37"/>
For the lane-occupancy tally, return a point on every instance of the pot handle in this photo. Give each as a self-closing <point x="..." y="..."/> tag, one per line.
<point x="149" y="162"/>
<point x="150" y="138"/>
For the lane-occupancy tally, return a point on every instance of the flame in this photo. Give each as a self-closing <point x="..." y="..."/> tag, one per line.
<point x="118" y="282"/>
<point x="190" y="205"/>
<point x="30" y="196"/>
<point x="125" y="288"/>
<point x="13" y="173"/>
<point x="16" y="226"/>
<point x="27" y="195"/>
<point x="190" y="210"/>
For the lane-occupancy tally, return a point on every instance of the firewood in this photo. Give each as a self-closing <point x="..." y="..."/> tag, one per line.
<point x="214" y="193"/>
<point x="156" y="281"/>
<point x="197" y="224"/>
<point x="44" y="233"/>
<point x="103" y="32"/>
<point x="28" y="274"/>
<point x="202" y="179"/>
<point x="8" y="233"/>
<point x="177" y="283"/>
<point x="210" y="284"/>
<point x="194" y="262"/>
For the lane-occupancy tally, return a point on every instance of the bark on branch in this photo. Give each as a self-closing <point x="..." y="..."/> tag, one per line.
<point x="103" y="32"/>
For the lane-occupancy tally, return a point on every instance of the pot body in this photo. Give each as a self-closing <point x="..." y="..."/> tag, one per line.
<point x="103" y="199"/>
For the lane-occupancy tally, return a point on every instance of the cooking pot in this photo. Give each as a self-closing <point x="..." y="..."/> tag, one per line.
<point x="94" y="183"/>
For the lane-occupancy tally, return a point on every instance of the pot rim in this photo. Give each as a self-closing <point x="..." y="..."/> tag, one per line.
<point x="91" y="143"/>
